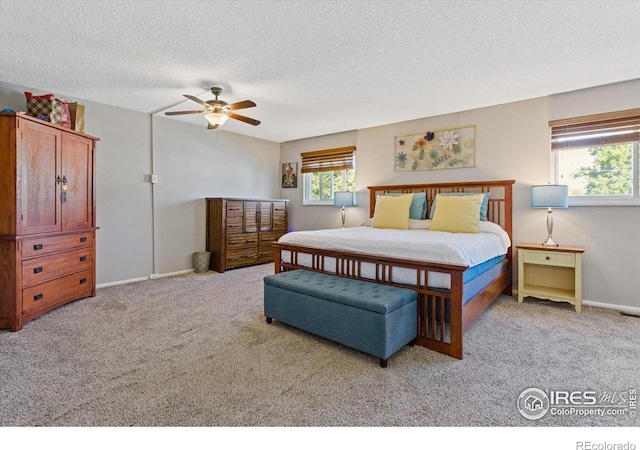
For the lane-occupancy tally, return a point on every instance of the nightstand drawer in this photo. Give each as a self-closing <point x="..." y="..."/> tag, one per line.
<point x="549" y="258"/>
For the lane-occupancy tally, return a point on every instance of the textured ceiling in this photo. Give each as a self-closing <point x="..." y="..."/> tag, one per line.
<point x="317" y="67"/>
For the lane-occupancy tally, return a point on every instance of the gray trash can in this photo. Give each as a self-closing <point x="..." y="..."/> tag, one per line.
<point x="201" y="261"/>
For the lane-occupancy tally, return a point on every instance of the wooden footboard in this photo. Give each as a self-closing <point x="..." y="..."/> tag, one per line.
<point x="440" y="311"/>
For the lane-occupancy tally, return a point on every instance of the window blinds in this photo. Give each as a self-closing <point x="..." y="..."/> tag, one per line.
<point x="594" y="131"/>
<point x="327" y="160"/>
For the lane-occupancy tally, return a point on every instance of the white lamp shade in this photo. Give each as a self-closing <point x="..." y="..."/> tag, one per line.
<point x="216" y="118"/>
<point x="550" y="196"/>
<point x="343" y="198"/>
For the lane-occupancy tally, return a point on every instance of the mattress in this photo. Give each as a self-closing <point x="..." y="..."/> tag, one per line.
<point x="476" y="251"/>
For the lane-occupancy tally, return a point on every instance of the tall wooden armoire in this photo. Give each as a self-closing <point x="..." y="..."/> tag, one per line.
<point x="47" y="218"/>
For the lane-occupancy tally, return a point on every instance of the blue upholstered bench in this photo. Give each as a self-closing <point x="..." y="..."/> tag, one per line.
<point x="373" y="318"/>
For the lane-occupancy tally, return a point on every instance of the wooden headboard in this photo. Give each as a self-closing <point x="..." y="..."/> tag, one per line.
<point x="500" y="200"/>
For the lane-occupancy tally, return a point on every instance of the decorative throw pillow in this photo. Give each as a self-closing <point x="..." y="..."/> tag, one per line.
<point x="484" y="207"/>
<point x="457" y="214"/>
<point x="392" y="212"/>
<point x="418" y="208"/>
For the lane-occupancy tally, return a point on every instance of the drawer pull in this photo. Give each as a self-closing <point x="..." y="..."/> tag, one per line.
<point x="83" y="280"/>
<point x="83" y="258"/>
<point x="547" y="258"/>
<point x="37" y="297"/>
<point x="37" y="247"/>
<point x="37" y="269"/>
<point x="248" y="241"/>
<point x="234" y="242"/>
<point x="83" y="239"/>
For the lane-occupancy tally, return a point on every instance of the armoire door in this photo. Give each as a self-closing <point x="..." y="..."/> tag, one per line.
<point x="39" y="153"/>
<point x="76" y="172"/>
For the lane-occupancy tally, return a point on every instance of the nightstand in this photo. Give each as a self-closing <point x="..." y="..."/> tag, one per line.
<point x="552" y="273"/>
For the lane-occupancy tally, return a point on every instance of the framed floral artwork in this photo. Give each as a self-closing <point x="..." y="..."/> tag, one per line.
<point x="451" y="148"/>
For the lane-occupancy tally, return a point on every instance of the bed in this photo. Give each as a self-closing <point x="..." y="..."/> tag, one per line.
<point x="452" y="290"/>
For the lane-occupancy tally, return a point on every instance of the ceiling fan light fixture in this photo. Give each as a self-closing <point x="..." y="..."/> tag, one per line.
<point x="216" y="118"/>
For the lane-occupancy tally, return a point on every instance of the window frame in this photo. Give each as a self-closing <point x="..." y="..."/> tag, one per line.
<point x="306" y="188"/>
<point x="584" y="132"/>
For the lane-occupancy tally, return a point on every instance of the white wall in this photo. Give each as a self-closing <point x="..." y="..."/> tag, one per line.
<point x="512" y="143"/>
<point x="191" y="163"/>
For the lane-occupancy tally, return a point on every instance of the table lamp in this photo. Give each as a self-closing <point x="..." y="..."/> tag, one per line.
<point x="344" y="199"/>
<point x="550" y="196"/>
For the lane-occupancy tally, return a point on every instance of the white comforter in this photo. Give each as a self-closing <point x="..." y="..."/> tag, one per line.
<point x="466" y="249"/>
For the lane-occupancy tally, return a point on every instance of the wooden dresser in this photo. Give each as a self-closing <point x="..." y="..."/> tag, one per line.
<point x="240" y="231"/>
<point x="47" y="218"/>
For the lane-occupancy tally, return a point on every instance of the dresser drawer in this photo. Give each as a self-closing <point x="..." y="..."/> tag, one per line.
<point x="549" y="258"/>
<point x="266" y="256"/>
<point x="235" y="225"/>
<point x="242" y="241"/>
<point x="235" y="209"/>
<point x="39" y="270"/>
<point x="46" y="294"/>
<point x="279" y="208"/>
<point x="266" y="239"/>
<point x="43" y="246"/>
<point x="241" y="258"/>
<point x="279" y="224"/>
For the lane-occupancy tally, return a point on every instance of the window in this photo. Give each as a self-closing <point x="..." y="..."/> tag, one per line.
<point x="325" y="172"/>
<point x="598" y="158"/>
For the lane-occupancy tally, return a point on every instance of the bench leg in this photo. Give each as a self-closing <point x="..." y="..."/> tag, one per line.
<point x="383" y="362"/>
<point x="269" y="319"/>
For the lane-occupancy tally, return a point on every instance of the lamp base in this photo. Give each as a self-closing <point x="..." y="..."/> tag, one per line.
<point x="549" y="242"/>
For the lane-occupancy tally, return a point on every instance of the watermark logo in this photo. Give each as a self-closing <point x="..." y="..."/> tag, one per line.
<point x="533" y="403"/>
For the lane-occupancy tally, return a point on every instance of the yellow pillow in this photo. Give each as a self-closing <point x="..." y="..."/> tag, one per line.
<point x="392" y="212"/>
<point x="459" y="214"/>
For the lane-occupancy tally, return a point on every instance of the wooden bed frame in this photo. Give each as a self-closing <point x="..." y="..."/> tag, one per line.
<point x="442" y="316"/>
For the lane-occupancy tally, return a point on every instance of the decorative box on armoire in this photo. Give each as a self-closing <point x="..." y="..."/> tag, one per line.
<point x="47" y="218"/>
<point x="240" y="231"/>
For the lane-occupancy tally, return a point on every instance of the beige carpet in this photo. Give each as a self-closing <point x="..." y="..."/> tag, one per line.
<point x="194" y="350"/>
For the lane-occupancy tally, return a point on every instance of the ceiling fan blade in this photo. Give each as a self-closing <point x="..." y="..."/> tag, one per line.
<point x="197" y="100"/>
<point x="177" y="113"/>
<point x="241" y="105"/>
<point x="244" y="119"/>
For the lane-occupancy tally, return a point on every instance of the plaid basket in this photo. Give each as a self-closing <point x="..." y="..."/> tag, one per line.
<point x="55" y="110"/>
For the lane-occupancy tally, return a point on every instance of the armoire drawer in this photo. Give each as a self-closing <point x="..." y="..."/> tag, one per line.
<point x="43" y="246"/>
<point x="39" y="270"/>
<point x="46" y="294"/>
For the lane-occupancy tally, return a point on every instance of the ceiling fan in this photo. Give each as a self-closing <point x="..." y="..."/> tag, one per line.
<point x="217" y="111"/>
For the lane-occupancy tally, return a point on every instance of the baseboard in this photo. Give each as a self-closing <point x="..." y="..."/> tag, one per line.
<point x="135" y="280"/>
<point x="623" y="308"/>
<point x="172" y="274"/>
<point x="629" y="309"/>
